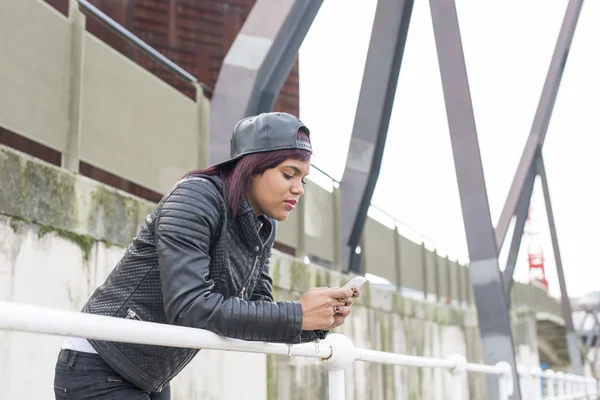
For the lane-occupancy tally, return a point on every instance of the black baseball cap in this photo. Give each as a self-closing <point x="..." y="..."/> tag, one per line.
<point x="266" y="132"/>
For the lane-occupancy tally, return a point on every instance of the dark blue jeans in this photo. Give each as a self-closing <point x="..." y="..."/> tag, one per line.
<point x="83" y="376"/>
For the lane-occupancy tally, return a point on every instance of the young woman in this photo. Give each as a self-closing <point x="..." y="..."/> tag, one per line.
<point x="201" y="260"/>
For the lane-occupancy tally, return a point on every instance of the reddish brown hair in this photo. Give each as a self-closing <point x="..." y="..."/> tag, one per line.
<point x="238" y="175"/>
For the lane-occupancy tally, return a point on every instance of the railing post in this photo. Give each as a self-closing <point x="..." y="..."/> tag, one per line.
<point x="569" y="387"/>
<point x="343" y="353"/>
<point x="505" y="381"/>
<point x="457" y="372"/>
<point x="70" y="156"/>
<point x="203" y="126"/>
<point x="593" y="388"/>
<point x="524" y="380"/>
<point x="550" y="376"/>
<point x="560" y="384"/>
<point x="337" y="385"/>
<point x="586" y="388"/>
<point x="536" y="374"/>
<point x="583" y="386"/>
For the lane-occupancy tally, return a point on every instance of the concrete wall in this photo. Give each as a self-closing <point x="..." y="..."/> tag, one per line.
<point x="88" y="101"/>
<point x="60" y="235"/>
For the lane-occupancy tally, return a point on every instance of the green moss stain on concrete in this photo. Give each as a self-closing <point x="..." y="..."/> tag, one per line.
<point x="37" y="191"/>
<point x="11" y="193"/>
<point x="387" y="345"/>
<point x="322" y="278"/>
<point x="114" y="215"/>
<point x="272" y="377"/>
<point x="44" y="194"/>
<point x="85" y="243"/>
<point x="60" y="205"/>
<point x="14" y="224"/>
<point x="398" y="305"/>
<point x="301" y="276"/>
<point x="365" y="294"/>
<point x="274" y="270"/>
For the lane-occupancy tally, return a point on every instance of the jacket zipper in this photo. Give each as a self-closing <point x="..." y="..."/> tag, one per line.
<point x="132" y="315"/>
<point x="241" y="295"/>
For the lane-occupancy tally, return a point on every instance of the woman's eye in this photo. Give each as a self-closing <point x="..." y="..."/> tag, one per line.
<point x="303" y="182"/>
<point x="287" y="176"/>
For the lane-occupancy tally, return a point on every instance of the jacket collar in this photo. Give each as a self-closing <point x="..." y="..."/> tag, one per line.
<point x="257" y="228"/>
<point x="248" y="222"/>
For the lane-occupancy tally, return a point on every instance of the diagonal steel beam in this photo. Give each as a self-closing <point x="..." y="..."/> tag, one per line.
<point x="371" y="122"/>
<point x="596" y="322"/>
<point x="522" y="212"/>
<point x="256" y="65"/>
<point x="542" y="116"/>
<point x="590" y="337"/>
<point x="572" y="336"/>
<point x="582" y="324"/>
<point x="488" y="286"/>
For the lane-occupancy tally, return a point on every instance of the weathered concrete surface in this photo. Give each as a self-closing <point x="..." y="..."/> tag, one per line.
<point x="381" y="320"/>
<point x="47" y="195"/>
<point x="58" y="241"/>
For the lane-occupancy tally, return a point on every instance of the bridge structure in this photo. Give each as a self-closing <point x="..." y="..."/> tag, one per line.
<point x="91" y="107"/>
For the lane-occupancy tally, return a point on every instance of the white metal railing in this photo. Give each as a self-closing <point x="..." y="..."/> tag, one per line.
<point x="336" y="352"/>
<point x="553" y="385"/>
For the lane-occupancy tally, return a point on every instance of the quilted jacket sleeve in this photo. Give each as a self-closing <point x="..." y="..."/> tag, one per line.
<point x="264" y="292"/>
<point x="185" y="226"/>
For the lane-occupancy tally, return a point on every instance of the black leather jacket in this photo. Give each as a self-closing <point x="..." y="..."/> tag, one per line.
<point x="191" y="265"/>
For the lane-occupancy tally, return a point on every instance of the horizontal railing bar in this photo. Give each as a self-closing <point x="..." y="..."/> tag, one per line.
<point x="44" y="320"/>
<point x="417" y="361"/>
<point x="28" y="318"/>
<point x="484" y="369"/>
<point x="152" y="52"/>
<point x="381" y="357"/>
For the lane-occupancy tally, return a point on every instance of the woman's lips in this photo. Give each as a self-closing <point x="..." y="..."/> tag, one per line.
<point x="290" y="204"/>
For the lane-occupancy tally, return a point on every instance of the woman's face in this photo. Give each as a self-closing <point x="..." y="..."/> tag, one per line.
<point x="276" y="191"/>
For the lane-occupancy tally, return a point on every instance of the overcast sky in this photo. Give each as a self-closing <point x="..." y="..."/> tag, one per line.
<point x="508" y="46"/>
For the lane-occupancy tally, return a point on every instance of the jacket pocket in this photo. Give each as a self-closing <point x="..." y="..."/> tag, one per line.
<point x="135" y="311"/>
<point x="61" y="393"/>
<point x="151" y="361"/>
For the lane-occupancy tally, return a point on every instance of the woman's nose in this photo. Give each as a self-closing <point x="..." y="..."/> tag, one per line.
<point x="298" y="189"/>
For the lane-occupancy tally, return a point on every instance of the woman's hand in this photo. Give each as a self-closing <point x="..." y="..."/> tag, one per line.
<point x="340" y="317"/>
<point x="320" y="306"/>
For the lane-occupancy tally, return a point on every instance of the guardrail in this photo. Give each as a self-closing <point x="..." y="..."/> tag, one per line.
<point x="336" y="352"/>
<point x="149" y="50"/>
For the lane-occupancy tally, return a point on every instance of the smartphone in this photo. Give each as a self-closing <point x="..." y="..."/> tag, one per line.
<point x="355" y="282"/>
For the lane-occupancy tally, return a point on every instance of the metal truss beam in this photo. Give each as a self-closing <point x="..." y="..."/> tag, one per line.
<point x="543" y="114"/>
<point x="589" y="340"/>
<point x="380" y="78"/>
<point x="515" y="245"/>
<point x="256" y="65"/>
<point x="596" y="322"/>
<point x="488" y="285"/>
<point x="573" y="341"/>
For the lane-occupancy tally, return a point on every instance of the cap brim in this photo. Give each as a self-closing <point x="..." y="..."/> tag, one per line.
<point x="227" y="162"/>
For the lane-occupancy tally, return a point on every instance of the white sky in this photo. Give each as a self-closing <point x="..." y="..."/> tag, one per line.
<point x="508" y="46"/>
